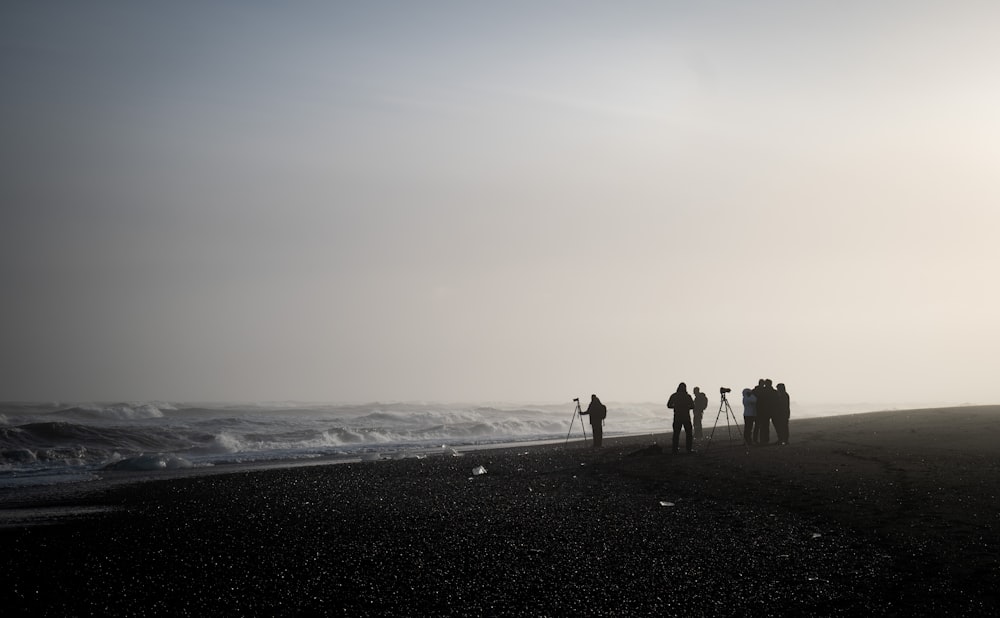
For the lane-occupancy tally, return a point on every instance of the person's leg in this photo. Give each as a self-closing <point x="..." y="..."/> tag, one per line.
<point x="598" y="433"/>
<point x="677" y="428"/>
<point x="764" y="422"/>
<point x="748" y="429"/>
<point x="688" y="435"/>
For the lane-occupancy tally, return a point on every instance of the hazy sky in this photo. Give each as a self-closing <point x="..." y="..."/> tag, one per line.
<point x="499" y="201"/>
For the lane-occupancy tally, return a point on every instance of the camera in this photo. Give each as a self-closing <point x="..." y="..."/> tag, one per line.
<point x="723" y="390"/>
<point x="576" y="399"/>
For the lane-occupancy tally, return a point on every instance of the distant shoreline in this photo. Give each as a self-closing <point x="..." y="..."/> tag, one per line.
<point x="62" y="493"/>
<point x="885" y="513"/>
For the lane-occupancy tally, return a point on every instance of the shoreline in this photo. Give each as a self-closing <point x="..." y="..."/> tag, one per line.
<point x="886" y="513"/>
<point x="67" y="493"/>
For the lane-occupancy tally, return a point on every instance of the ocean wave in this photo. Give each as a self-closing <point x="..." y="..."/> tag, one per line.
<point x="125" y="435"/>
<point x="56" y="434"/>
<point x="66" y="455"/>
<point x="118" y="411"/>
<point x="18" y="455"/>
<point x="221" y="444"/>
<point x="143" y="463"/>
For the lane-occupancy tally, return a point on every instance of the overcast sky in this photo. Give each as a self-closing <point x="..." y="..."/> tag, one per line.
<point x="499" y="201"/>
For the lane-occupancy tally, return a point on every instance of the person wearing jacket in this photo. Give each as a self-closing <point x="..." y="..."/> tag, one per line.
<point x="597" y="411"/>
<point x="681" y="403"/>
<point x="767" y="403"/>
<point x="700" y="403"/>
<point x="749" y="415"/>
<point x="782" y="413"/>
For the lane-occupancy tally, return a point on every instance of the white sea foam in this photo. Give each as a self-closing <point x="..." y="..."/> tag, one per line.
<point x="158" y="461"/>
<point x="118" y="411"/>
<point x="38" y="439"/>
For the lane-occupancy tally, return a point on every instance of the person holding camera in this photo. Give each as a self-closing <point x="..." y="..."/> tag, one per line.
<point x="597" y="411"/>
<point x="681" y="403"/>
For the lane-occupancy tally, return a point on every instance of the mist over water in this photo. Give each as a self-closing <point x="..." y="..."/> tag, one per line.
<point x="256" y="202"/>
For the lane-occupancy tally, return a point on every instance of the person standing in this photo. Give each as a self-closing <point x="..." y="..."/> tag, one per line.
<point x="681" y="403"/>
<point x="771" y="400"/>
<point x="700" y="403"/>
<point x="782" y="414"/>
<point x="756" y="394"/>
<point x="598" y="412"/>
<point x="766" y="403"/>
<point x="749" y="415"/>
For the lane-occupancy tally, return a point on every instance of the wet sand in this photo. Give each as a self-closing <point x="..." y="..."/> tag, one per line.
<point x="887" y="514"/>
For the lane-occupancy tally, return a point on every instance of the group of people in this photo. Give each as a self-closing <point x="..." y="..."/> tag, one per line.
<point x="762" y="406"/>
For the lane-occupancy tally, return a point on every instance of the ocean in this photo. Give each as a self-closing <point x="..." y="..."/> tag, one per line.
<point x="54" y="443"/>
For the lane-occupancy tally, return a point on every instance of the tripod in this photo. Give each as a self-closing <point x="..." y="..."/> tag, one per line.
<point x="728" y="411"/>
<point x="577" y="412"/>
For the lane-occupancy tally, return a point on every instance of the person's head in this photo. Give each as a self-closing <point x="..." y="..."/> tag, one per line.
<point x="761" y="382"/>
<point x="594" y="398"/>
<point x="697" y="390"/>
<point x="682" y="388"/>
<point x="767" y="382"/>
<point x="746" y="391"/>
<point x="781" y="387"/>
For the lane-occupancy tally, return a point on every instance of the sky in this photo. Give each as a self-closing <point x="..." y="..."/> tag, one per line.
<point x="523" y="201"/>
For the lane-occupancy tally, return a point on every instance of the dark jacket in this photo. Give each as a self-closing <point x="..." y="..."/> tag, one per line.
<point x="784" y="405"/>
<point x="680" y="402"/>
<point x="767" y="401"/>
<point x="700" y="402"/>
<point x="597" y="411"/>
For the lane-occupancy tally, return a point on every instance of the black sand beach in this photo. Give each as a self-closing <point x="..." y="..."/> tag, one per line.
<point x="885" y="514"/>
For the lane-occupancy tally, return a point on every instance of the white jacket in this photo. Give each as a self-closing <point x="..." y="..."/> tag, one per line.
<point x="749" y="403"/>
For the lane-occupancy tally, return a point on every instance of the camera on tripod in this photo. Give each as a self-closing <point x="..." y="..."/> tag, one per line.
<point x="576" y="399"/>
<point x="725" y="409"/>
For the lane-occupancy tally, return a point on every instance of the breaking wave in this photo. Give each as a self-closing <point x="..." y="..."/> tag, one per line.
<point x="158" y="436"/>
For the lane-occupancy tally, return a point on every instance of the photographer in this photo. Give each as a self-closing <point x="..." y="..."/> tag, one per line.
<point x="782" y="413"/>
<point x="767" y="408"/>
<point x="749" y="415"/>
<point x="700" y="403"/>
<point x="597" y="411"/>
<point x="681" y="403"/>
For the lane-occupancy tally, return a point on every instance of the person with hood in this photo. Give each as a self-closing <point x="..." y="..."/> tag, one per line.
<point x="782" y="413"/>
<point x="681" y="403"/>
<point x="597" y="411"/>
<point x="767" y="402"/>
<point x="700" y="403"/>
<point x="749" y="415"/>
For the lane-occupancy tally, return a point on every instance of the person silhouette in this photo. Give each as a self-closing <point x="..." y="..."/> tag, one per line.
<point x="681" y="403"/>
<point x="767" y="401"/>
<point x="597" y="411"/>
<point x="700" y="403"/>
<point x="749" y="415"/>
<point x="782" y="414"/>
